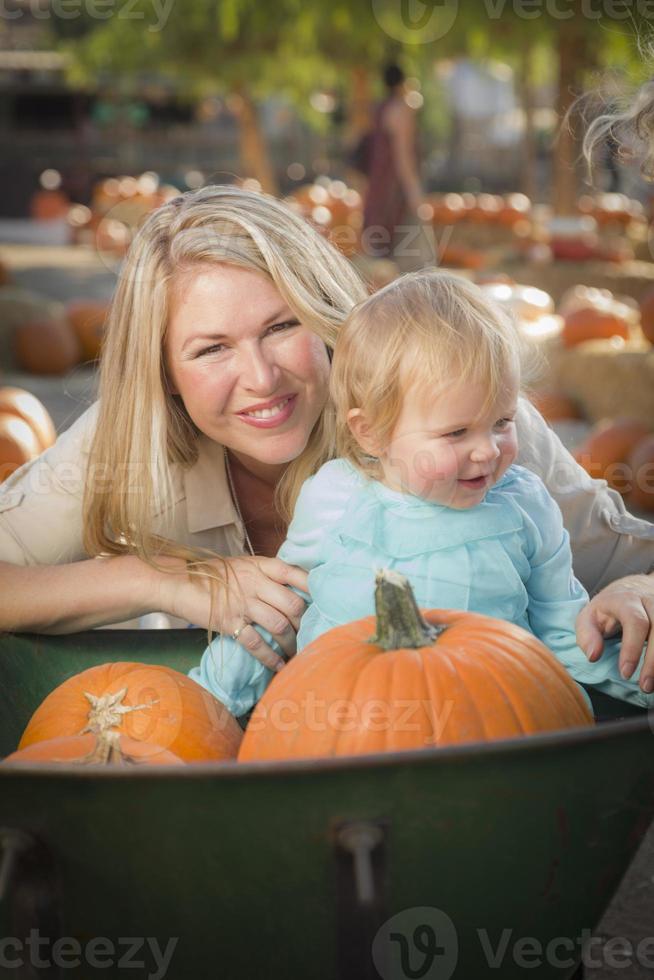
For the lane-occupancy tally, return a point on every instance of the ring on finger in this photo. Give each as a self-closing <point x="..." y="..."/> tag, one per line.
<point x="237" y="632"/>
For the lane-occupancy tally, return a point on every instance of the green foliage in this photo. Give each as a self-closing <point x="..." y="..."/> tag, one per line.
<point x="293" y="47"/>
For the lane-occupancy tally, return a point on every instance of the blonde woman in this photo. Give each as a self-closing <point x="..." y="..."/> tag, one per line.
<point x="212" y="413"/>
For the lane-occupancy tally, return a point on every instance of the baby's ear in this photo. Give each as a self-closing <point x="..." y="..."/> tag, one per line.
<point x="362" y="431"/>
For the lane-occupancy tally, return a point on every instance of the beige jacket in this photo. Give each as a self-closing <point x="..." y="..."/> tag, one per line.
<point x="41" y="505"/>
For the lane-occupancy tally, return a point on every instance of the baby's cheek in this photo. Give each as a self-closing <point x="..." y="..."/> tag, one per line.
<point x="433" y="467"/>
<point x="509" y="449"/>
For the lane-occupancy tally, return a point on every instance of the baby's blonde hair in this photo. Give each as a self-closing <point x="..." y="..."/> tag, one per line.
<point x="419" y="332"/>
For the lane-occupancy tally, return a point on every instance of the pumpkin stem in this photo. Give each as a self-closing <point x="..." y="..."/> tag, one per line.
<point x="107" y="711"/>
<point x="400" y="624"/>
<point x="107" y="750"/>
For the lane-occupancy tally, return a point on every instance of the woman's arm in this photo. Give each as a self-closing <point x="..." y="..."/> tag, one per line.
<point x="96" y="592"/>
<point x="79" y="596"/>
<point x="607" y="542"/>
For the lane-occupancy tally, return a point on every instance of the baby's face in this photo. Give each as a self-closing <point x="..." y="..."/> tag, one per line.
<point x="451" y="450"/>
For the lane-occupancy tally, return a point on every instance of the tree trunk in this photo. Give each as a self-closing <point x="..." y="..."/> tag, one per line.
<point x="572" y="52"/>
<point x="359" y="106"/>
<point x="529" y="183"/>
<point x="255" y="158"/>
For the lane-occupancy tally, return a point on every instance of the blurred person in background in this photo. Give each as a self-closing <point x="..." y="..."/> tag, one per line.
<point x="394" y="196"/>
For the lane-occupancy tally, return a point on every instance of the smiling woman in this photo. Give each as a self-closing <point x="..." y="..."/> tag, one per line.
<point x="213" y="383"/>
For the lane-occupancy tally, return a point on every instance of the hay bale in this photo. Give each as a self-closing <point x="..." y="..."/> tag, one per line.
<point x="627" y="278"/>
<point x="606" y="378"/>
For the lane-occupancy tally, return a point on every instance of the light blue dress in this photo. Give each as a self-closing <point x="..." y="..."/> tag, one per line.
<point x="507" y="557"/>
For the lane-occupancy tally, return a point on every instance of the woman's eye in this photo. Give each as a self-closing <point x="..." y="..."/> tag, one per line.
<point x="277" y="327"/>
<point x="213" y="349"/>
<point x="274" y="328"/>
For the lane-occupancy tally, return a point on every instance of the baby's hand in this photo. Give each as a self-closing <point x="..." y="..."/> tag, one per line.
<point x="625" y="605"/>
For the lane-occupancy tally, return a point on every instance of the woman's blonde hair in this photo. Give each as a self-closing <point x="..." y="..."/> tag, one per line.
<point x="417" y="334"/>
<point x="142" y="428"/>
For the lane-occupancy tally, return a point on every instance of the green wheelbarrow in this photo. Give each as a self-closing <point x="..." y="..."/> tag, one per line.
<point x="484" y="860"/>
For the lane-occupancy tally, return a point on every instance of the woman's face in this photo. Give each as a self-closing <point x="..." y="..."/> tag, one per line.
<point x="251" y="376"/>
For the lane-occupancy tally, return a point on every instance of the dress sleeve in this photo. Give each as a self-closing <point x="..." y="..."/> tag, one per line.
<point x="41" y="503"/>
<point x="556" y="597"/>
<point x="607" y="542"/>
<point x="227" y="669"/>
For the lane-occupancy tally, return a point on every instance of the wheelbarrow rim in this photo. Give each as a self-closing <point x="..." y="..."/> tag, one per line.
<point x="231" y="769"/>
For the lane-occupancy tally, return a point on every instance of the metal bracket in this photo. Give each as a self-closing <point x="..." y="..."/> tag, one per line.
<point x="360" y="852"/>
<point x="29" y="889"/>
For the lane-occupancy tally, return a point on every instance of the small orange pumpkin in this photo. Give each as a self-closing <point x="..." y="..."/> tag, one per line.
<point x="18" y="444"/>
<point x="49" y="205"/>
<point x="87" y="318"/>
<point x="641" y="466"/>
<point x="149" y="703"/>
<point x="592" y="324"/>
<point x="647" y="315"/>
<point x="555" y="406"/>
<point x="400" y="681"/>
<point x="17" y="401"/>
<point x="606" y="450"/>
<point x="45" y="346"/>
<point x="105" y="748"/>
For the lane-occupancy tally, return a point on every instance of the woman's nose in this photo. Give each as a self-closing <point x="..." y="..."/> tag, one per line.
<point x="259" y="373"/>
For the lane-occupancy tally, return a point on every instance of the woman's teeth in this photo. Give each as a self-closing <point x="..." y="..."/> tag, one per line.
<point x="268" y="413"/>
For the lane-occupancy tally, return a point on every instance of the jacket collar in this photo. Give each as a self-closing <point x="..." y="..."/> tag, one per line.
<point x="209" y="502"/>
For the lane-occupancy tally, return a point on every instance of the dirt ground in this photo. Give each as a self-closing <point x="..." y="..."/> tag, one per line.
<point x="66" y="273"/>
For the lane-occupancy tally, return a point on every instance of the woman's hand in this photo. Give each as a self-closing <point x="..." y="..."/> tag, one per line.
<point x="256" y="593"/>
<point x="627" y="605"/>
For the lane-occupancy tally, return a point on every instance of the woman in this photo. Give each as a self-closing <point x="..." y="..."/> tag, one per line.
<point x="212" y="413"/>
<point x="391" y="225"/>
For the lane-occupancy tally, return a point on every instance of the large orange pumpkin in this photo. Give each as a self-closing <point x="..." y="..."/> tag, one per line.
<point x="105" y="748"/>
<point x="17" y="401"/>
<point x="592" y="324"/>
<point x="399" y="681"/>
<point x="606" y="449"/>
<point x="149" y="703"/>
<point x="641" y="468"/>
<point x="18" y="444"/>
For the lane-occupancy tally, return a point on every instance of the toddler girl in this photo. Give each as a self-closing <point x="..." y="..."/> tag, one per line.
<point x="425" y="383"/>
